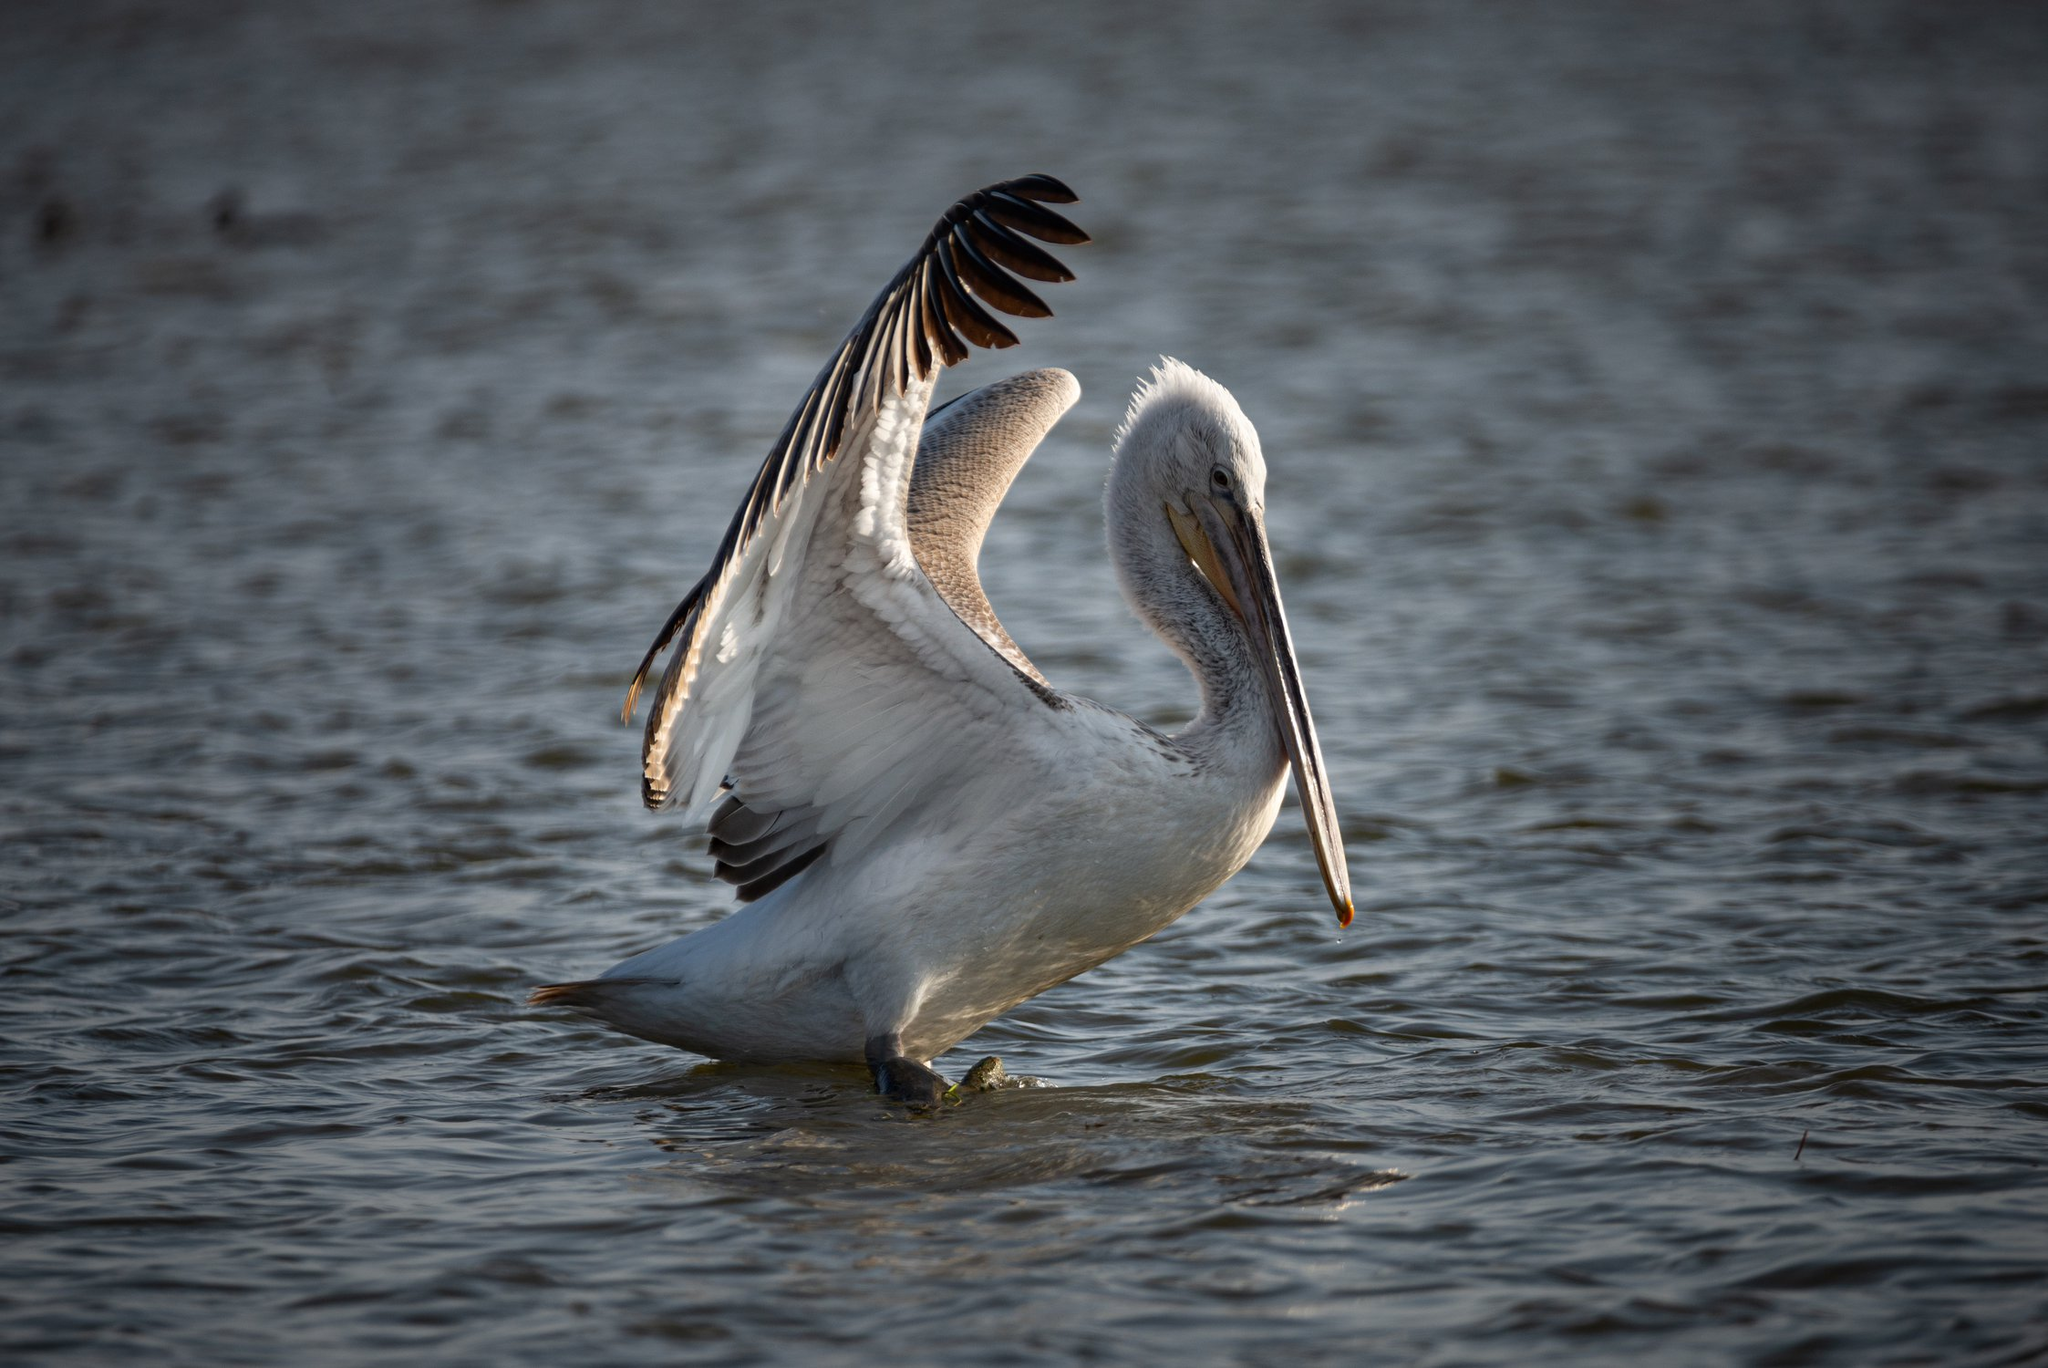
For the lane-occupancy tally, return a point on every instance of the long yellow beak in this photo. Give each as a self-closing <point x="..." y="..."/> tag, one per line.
<point x="1227" y="543"/>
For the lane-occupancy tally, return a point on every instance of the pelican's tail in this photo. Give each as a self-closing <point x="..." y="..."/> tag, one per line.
<point x="581" y="996"/>
<point x="598" y="997"/>
<point x="644" y="1007"/>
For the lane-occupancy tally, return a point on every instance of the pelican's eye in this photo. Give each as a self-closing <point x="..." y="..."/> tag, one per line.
<point x="1219" y="479"/>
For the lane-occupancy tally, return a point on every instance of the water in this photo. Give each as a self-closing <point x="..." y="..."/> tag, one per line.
<point x="1655" y="405"/>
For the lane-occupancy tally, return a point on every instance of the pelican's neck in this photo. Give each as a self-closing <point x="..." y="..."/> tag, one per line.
<point x="1236" y="725"/>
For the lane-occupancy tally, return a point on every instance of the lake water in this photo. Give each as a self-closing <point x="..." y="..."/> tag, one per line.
<point x="1656" y="400"/>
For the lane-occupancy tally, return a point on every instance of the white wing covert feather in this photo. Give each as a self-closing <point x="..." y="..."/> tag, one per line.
<point x="816" y="659"/>
<point x="972" y="448"/>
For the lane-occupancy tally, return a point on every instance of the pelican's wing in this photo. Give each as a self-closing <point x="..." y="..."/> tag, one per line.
<point x="971" y="450"/>
<point x="815" y="660"/>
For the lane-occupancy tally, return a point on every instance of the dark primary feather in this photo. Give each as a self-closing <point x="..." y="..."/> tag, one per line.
<point x="915" y="325"/>
<point x="991" y="282"/>
<point x="1021" y="255"/>
<point x="1013" y="211"/>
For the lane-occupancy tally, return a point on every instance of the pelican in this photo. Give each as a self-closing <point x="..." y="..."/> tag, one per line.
<point x="923" y="830"/>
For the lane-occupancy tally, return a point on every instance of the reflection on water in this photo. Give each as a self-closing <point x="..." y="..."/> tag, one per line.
<point x="1654" y="405"/>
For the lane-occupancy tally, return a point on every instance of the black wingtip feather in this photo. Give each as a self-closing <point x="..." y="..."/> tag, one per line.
<point x="1026" y="217"/>
<point x="1040" y="186"/>
<point x="1021" y="255"/>
<point x="978" y="324"/>
<point x="990" y="282"/>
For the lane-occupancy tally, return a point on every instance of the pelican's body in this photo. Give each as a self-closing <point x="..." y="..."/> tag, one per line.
<point x="977" y="903"/>
<point x="928" y="832"/>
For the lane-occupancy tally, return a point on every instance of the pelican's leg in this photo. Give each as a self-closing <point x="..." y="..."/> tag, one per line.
<point x="900" y="1077"/>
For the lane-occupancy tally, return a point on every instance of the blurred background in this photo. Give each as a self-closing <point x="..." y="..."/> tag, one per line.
<point x="1656" y="403"/>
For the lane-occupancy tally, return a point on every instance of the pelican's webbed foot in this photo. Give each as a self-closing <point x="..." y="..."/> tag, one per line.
<point x="900" y="1078"/>
<point x="987" y="1076"/>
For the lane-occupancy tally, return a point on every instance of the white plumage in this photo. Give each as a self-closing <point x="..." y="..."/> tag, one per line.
<point x="930" y="833"/>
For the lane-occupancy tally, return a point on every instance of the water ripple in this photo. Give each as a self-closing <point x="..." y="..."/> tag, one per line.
<point x="1654" y="421"/>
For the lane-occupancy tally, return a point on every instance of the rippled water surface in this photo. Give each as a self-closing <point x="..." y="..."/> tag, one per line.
<point x="1656" y="400"/>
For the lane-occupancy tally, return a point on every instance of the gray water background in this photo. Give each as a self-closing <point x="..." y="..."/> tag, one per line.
<point x="1656" y="400"/>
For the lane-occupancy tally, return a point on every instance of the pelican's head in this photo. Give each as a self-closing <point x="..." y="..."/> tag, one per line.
<point x="1188" y="458"/>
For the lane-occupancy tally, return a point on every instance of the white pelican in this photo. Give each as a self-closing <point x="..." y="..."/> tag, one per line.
<point x="924" y="830"/>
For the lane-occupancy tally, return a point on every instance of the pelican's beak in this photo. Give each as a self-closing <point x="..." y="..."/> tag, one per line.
<point x="1228" y="544"/>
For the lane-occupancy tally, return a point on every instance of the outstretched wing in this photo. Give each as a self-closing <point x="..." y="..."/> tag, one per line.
<point x="971" y="450"/>
<point x="815" y="653"/>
